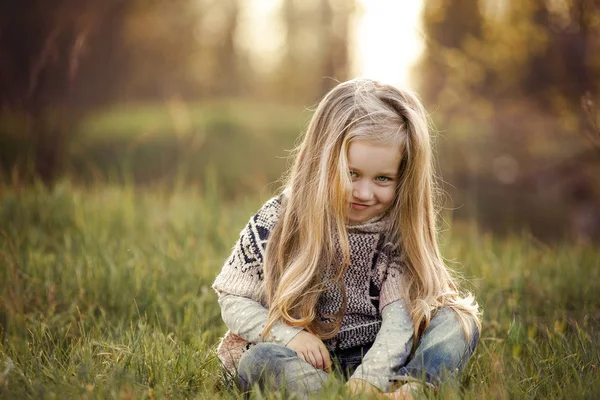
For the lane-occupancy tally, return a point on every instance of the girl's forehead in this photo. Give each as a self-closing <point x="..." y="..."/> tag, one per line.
<point x="372" y="155"/>
<point x="380" y="134"/>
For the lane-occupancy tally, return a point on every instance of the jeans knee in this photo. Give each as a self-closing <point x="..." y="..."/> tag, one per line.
<point x="475" y="334"/>
<point x="451" y="321"/>
<point x="263" y="353"/>
<point x="458" y="334"/>
<point x="444" y="347"/>
<point x="447" y="321"/>
<point x="446" y="315"/>
<point x="260" y="358"/>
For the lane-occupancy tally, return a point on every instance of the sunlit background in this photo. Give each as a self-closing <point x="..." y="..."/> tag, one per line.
<point x="385" y="37"/>
<point x="151" y="92"/>
<point x="138" y="136"/>
<point x="388" y="40"/>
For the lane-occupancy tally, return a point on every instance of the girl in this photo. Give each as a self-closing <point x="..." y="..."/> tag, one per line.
<point x="344" y="265"/>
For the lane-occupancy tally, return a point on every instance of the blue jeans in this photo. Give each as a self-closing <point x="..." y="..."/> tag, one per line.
<point x="441" y="353"/>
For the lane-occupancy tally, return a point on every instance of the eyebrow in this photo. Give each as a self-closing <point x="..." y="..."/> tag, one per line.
<point x="385" y="173"/>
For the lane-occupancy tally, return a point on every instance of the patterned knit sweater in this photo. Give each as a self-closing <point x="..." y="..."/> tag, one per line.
<point x="373" y="279"/>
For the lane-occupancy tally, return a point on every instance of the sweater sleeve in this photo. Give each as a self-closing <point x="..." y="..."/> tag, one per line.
<point x="242" y="274"/>
<point x="391" y="348"/>
<point x="247" y="318"/>
<point x="393" y="287"/>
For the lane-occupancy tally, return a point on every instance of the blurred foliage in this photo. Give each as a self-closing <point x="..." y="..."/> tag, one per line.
<point x="107" y="51"/>
<point x="505" y="82"/>
<point x="155" y="91"/>
<point x="61" y="63"/>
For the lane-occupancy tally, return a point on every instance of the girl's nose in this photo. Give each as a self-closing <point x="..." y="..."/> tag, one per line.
<point x="361" y="191"/>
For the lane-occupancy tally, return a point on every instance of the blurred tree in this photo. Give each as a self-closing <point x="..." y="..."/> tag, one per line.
<point x="159" y="38"/>
<point x="545" y="52"/>
<point x="62" y="59"/>
<point x="218" y="63"/>
<point x="449" y="25"/>
<point x="227" y="54"/>
<point x="42" y="45"/>
<point x="316" y="48"/>
<point x="336" y="16"/>
<point x="506" y="79"/>
<point x="58" y="59"/>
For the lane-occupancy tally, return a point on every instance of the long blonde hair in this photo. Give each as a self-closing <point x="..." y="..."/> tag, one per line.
<point x="315" y="205"/>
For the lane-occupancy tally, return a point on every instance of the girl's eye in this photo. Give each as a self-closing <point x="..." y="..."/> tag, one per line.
<point x="353" y="175"/>
<point x="382" y="179"/>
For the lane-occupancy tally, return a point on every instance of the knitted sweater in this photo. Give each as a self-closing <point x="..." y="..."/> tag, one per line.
<point x="373" y="279"/>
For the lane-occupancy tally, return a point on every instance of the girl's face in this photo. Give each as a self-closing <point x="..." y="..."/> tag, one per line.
<point x="374" y="173"/>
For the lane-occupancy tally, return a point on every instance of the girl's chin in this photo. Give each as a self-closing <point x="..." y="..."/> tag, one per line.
<point x="354" y="219"/>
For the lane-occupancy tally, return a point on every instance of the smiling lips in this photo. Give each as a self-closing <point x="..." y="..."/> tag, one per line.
<point x="359" y="206"/>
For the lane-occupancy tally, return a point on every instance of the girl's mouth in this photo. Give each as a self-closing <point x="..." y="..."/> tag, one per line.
<point x="358" y="206"/>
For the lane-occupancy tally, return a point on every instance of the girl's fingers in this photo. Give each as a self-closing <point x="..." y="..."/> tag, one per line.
<point x="318" y="359"/>
<point x="325" y="357"/>
<point x="301" y="356"/>
<point x="310" y="359"/>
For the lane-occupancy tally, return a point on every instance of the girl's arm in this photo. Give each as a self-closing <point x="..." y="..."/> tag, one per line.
<point x="240" y="289"/>
<point x="390" y="349"/>
<point x="247" y="318"/>
<point x="242" y="274"/>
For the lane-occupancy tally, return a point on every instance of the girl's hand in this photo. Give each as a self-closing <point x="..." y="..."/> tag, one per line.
<point x="311" y="349"/>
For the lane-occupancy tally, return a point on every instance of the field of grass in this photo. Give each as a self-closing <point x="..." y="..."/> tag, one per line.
<point x="105" y="293"/>
<point x="244" y="142"/>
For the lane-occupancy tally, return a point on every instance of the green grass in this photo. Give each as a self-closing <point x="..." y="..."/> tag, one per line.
<point x="105" y="293"/>
<point x="245" y="142"/>
<point x="131" y="120"/>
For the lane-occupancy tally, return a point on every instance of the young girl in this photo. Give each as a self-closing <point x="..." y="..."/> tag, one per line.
<point x="342" y="270"/>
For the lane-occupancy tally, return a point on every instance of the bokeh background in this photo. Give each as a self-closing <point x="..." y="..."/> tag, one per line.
<point x="215" y="92"/>
<point x="138" y="136"/>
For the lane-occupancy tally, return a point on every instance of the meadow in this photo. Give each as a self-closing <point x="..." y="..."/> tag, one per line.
<point x="105" y="292"/>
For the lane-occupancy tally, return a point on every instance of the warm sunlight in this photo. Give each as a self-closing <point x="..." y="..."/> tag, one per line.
<point x="387" y="38"/>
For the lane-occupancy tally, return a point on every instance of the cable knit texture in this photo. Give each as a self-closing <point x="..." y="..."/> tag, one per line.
<point x="373" y="280"/>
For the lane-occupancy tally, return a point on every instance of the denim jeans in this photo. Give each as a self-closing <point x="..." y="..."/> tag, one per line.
<point x="441" y="353"/>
